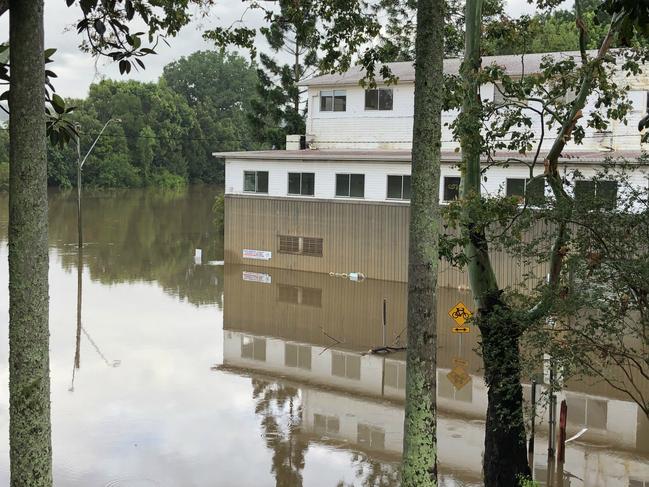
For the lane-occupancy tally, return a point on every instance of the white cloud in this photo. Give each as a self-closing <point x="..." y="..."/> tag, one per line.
<point x="77" y="70"/>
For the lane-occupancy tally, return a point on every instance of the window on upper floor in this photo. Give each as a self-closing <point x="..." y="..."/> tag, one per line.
<point x="255" y="181"/>
<point x="350" y="185"/>
<point x="301" y="183"/>
<point x="601" y="193"/>
<point x="333" y="101"/>
<point x="451" y="189"/>
<point x="378" y="99"/>
<point x="533" y="191"/>
<point x="399" y="187"/>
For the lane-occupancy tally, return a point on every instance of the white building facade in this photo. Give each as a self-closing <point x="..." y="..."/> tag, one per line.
<point x="357" y="149"/>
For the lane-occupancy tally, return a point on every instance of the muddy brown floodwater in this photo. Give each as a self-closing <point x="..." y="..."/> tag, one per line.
<point x="185" y="373"/>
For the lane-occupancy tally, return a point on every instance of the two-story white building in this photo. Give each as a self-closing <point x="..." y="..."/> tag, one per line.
<point x="337" y="199"/>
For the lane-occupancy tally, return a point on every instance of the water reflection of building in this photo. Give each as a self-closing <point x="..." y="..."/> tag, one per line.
<point x="312" y="331"/>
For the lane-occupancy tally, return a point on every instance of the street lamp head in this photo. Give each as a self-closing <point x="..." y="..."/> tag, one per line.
<point x="118" y="120"/>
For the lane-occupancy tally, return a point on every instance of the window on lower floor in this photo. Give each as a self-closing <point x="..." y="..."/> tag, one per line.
<point x="350" y="185"/>
<point x="301" y="183"/>
<point x="306" y="296"/>
<point x="525" y="189"/>
<point x="253" y="348"/>
<point x="309" y="246"/>
<point x="370" y="436"/>
<point x="255" y="181"/>
<point x="399" y="187"/>
<point x="298" y="356"/>
<point x="589" y="412"/>
<point x="326" y="424"/>
<point x="346" y="365"/>
<point x="395" y="374"/>
<point x="596" y="193"/>
<point x="451" y="190"/>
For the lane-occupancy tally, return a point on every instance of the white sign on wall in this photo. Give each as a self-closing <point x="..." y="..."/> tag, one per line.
<point x="257" y="277"/>
<point x="257" y="254"/>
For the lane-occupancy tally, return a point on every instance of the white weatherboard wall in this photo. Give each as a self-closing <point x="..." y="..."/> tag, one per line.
<point x="357" y="128"/>
<point x="376" y="175"/>
<point x="325" y="176"/>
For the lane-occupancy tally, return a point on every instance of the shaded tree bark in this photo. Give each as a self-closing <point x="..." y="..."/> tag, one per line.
<point x="419" y="466"/>
<point x="505" y="456"/>
<point x="29" y="384"/>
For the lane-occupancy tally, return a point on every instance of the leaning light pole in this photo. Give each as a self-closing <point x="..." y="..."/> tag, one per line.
<point x="80" y="163"/>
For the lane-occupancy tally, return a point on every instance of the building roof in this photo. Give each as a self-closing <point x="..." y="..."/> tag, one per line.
<point x="404" y="156"/>
<point x="405" y="71"/>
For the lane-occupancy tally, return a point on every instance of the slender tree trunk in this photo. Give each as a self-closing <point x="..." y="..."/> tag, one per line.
<point x="29" y="381"/>
<point x="419" y="467"/>
<point x="505" y="457"/>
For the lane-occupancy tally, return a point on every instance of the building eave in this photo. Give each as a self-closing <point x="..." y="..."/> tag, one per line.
<point x="380" y="156"/>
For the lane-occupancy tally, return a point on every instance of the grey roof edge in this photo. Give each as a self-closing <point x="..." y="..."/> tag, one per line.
<point x="405" y="156"/>
<point x="515" y="64"/>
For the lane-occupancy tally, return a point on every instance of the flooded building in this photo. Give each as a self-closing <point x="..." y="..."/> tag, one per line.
<point x="351" y="399"/>
<point x="337" y="200"/>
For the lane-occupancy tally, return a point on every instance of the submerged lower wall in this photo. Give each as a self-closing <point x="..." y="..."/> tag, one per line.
<point x="357" y="236"/>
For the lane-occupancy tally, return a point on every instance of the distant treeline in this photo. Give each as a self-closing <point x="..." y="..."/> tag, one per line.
<point x="167" y="130"/>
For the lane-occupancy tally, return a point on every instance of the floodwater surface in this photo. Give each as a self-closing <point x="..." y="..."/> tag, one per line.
<point x="169" y="369"/>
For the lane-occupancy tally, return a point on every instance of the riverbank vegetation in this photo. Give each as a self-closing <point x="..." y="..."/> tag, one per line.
<point x="167" y="130"/>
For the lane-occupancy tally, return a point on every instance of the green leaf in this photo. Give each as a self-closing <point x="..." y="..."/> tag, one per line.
<point x="58" y="104"/>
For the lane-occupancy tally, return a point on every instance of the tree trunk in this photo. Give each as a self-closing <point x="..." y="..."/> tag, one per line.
<point x="505" y="457"/>
<point x="419" y="466"/>
<point x="29" y="382"/>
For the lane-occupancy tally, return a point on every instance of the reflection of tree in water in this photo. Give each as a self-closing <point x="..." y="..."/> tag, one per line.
<point x="144" y="235"/>
<point x="371" y="472"/>
<point x="281" y="419"/>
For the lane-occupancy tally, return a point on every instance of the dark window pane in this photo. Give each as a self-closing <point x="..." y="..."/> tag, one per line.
<point x="585" y="192"/>
<point x="294" y="183"/>
<point x="262" y="181"/>
<point x="290" y="355"/>
<point x="289" y="244"/>
<point x="326" y="101"/>
<point x="371" y="100"/>
<point x="249" y="181"/>
<point x="516" y="187"/>
<point x="312" y="246"/>
<point x="308" y="183"/>
<point x="357" y="186"/>
<point x="607" y="194"/>
<point x="535" y="192"/>
<point x="342" y="184"/>
<point x="340" y="101"/>
<point x="451" y="188"/>
<point x="385" y="99"/>
<point x="394" y="187"/>
<point x="338" y="364"/>
<point x="406" y="187"/>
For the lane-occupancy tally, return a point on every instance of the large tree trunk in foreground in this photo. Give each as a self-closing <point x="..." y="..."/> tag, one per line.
<point x="29" y="381"/>
<point x="419" y="467"/>
<point x="505" y="456"/>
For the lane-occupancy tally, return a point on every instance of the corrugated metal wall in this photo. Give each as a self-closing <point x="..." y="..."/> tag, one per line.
<point x="371" y="238"/>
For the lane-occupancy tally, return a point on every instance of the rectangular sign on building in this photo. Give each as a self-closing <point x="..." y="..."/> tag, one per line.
<point x="257" y="277"/>
<point x="257" y="254"/>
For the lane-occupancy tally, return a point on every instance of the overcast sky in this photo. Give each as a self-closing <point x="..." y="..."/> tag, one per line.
<point x="77" y="70"/>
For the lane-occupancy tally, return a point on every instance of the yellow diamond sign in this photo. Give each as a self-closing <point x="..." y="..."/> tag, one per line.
<point x="459" y="377"/>
<point x="460" y="314"/>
